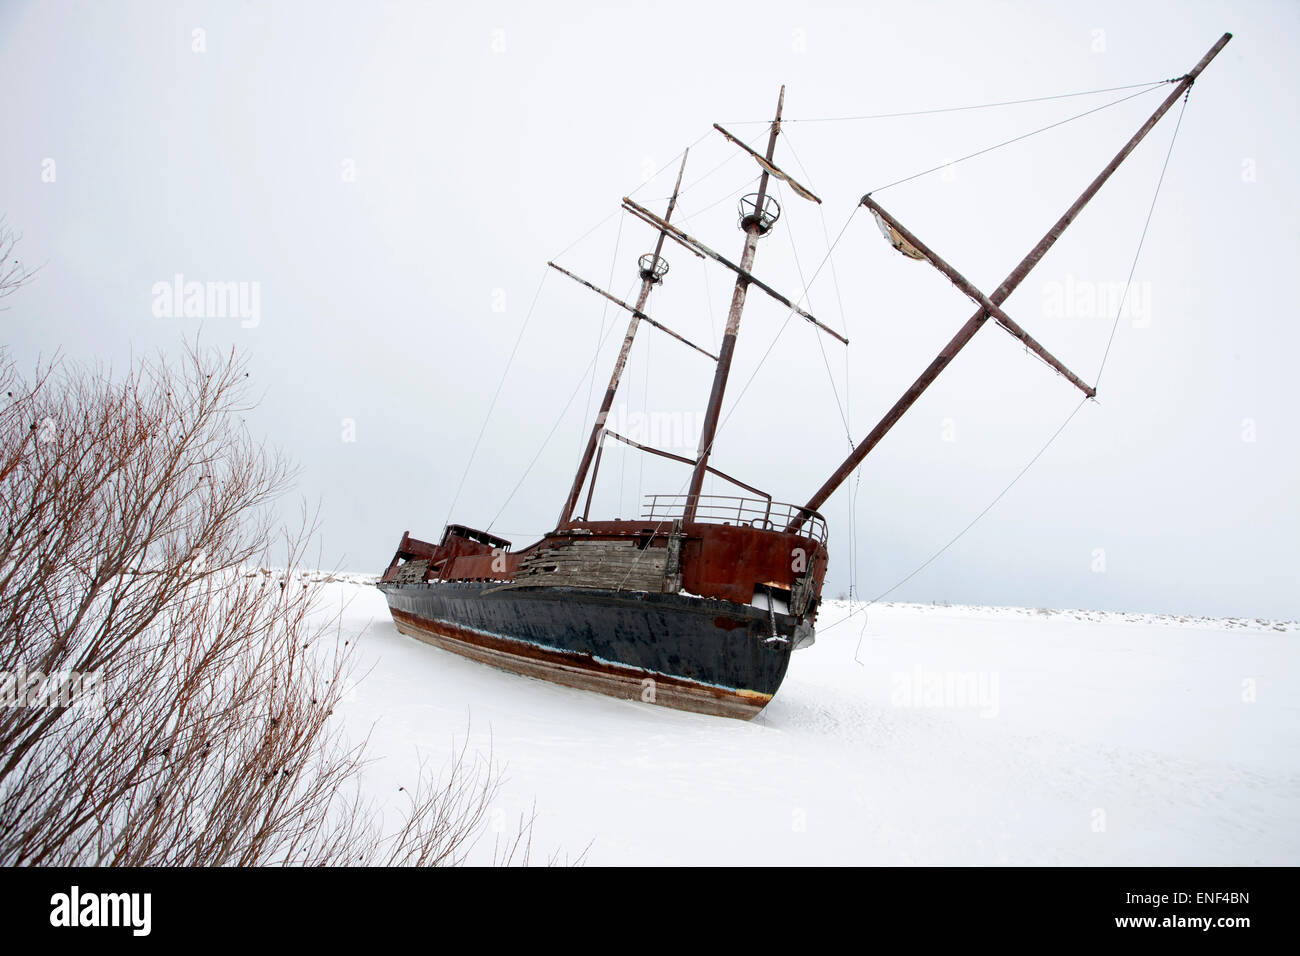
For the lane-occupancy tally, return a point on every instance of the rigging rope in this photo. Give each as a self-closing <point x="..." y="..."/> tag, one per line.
<point x="1016" y="139"/>
<point x="670" y="162"/>
<point x="495" y="395"/>
<point x="957" y="109"/>
<point x="645" y="404"/>
<point x="551" y="433"/>
<point x="724" y="418"/>
<point x="848" y="379"/>
<point x="958" y="536"/>
<point x="1146" y="88"/>
<point x="821" y="346"/>
<point x="717" y="202"/>
<point x="1147" y="225"/>
<point x="1118" y="313"/>
<point x="509" y="362"/>
<point x="604" y="313"/>
<point x="781" y="330"/>
<point x="1142" y="88"/>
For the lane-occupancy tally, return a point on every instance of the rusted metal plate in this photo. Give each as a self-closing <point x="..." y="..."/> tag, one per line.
<point x="728" y="561"/>
<point x="715" y="560"/>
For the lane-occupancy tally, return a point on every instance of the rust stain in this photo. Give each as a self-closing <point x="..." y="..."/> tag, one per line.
<point x="581" y="671"/>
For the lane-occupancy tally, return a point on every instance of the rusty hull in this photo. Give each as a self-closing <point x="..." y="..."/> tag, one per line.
<point x="612" y="680"/>
<point x="608" y="605"/>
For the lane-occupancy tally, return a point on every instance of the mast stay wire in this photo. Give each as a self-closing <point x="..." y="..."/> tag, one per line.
<point x="848" y="378"/>
<point x="645" y="404"/>
<point x="957" y="109"/>
<point x="830" y="376"/>
<point x="519" y="338"/>
<point x="1051" y="439"/>
<point x="820" y="345"/>
<point x="854" y="611"/>
<point x="455" y="498"/>
<point x="560" y="418"/>
<point x="745" y="388"/>
<point x="1118" y="313"/>
<point x="633" y="192"/>
<point x="1142" y="239"/>
<point x="1016" y="139"/>
<point x="584" y="374"/>
<point x="604" y="314"/>
<point x="781" y="331"/>
<point x="732" y="155"/>
<point x="1144" y="88"/>
<point x="724" y="418"/>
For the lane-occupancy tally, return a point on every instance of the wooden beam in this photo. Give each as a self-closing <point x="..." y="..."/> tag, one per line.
<point x="966" y="286"/>
<point x="635" y="311"/>
<point x="1000" y="295"/>
<point x="769" y="167"/>
<point x="703" y="251"/>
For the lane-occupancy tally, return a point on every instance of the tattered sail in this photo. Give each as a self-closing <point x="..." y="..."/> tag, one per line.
<point x="770" y="168"/>
<point x="896" y="239"/>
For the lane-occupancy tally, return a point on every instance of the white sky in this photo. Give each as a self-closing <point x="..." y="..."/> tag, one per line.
<point x="486" y="141"/>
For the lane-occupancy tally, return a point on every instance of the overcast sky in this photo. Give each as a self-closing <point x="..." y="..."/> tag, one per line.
<point x="387" y="181"/>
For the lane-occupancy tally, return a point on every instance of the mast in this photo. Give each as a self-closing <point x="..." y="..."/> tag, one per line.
<point x="755" y="225"/>
<point x="653" y="269"/>
<point x="1018" y="274"/>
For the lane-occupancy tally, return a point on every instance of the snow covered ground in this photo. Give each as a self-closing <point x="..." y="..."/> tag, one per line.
<point x="958" y="735"/>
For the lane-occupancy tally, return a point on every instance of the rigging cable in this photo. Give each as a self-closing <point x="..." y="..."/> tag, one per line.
<point x="636" y="190"/>
<point x="545" y="441"/>
<point x="604" y="313"/>
<point x="958" y="109"/>
<point x="725" y="418"/>
<point x="1132" y="269"/>
<point x="1016" y="139"/>
<point x="670" y="162"/>
<point x="492" y="406"/>
<point x="987" y="508"/>
<point x="749" y="184"/>
<point x="495" y="395"/>
<point x="848" y="379"/>
<point x="645" y="404"/>
<point x="781" y="331"/>
<point x="821" y="347"/>
<point x="1147" y="225"/>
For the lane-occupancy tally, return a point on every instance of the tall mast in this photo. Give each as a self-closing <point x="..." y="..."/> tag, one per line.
<point x="653" y="268"/>
<point x="755" y="225"/>
<point x="1017" y="275"/>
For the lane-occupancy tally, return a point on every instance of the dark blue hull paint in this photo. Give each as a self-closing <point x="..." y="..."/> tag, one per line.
<point x="609" y="641"/>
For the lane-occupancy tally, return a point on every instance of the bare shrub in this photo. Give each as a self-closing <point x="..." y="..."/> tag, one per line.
<point x="12" y="271"/>
<point x="171" y="703"/>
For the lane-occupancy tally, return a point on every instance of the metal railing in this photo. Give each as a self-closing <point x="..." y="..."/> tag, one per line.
<point x="761" y="513"/>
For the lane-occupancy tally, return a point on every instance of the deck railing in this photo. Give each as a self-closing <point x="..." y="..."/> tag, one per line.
<point x="728" y="509"/>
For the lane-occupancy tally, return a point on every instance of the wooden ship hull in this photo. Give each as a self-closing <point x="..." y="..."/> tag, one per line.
<point x="620" y="608"/>
<point x="683" y="652"/>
